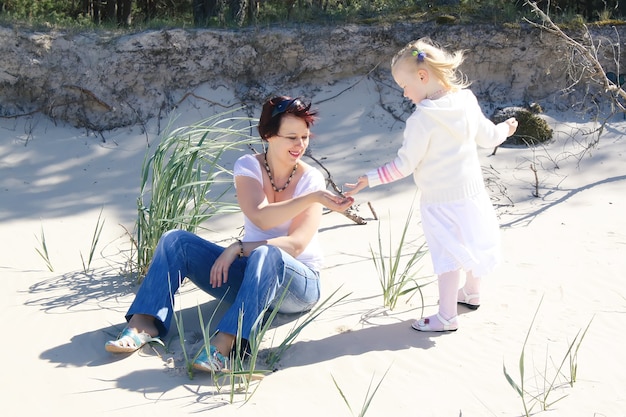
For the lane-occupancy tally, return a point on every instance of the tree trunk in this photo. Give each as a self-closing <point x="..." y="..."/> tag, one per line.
<point x="239" y="11"/>
<point x="124" y="8"/>
<point x="95" y="11"/>
<point x="203" y="10"/>
<point x="148" y="9"/>
<point x="108" y="12"/>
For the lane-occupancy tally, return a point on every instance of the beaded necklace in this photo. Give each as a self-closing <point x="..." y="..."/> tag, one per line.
<point x="269" y="174"/>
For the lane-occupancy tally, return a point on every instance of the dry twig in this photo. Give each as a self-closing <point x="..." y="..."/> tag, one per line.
<point x="351" y="212"/>
<point x="589" y="53"/>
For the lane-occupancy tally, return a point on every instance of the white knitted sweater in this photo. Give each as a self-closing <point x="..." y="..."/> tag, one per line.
<point x="439" y="148"/>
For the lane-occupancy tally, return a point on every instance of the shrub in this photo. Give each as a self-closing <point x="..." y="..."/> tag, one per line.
<point x="531" y="129"/>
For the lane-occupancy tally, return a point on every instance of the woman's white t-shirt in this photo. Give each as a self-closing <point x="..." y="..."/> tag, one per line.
<point x="311" y="180"/>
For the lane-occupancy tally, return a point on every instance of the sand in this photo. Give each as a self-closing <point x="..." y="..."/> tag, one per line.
<point x="563" y="261"/>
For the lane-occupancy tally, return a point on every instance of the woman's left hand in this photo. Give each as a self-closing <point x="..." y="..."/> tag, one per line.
<point x="336" y="202"/>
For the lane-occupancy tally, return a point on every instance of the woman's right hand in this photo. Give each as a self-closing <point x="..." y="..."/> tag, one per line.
<point x="219" y="270"/>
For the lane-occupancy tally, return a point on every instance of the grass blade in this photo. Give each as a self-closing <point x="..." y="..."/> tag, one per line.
<point x="43" y="253"/>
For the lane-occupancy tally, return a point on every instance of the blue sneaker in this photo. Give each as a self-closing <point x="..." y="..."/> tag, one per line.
<point x="213" y="362"/>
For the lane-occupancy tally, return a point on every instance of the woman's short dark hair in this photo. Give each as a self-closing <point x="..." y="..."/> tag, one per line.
<point x="275" y="108"/>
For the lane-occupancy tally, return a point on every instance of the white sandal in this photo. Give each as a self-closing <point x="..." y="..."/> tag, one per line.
<point x="130" y="341"/>
<point x="466" y="300"/>
<point x="423" y="324"/>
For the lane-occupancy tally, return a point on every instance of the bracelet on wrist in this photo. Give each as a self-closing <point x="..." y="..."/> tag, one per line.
<point x="240" y="248"/>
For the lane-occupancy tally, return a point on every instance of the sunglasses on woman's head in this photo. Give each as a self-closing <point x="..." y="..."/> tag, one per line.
<point x="285" y="105"/>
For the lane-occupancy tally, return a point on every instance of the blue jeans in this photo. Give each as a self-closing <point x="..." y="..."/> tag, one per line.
<point x="254" y="283"/>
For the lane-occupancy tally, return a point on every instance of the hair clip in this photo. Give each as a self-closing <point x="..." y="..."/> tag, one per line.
<point x="419" y="54"/>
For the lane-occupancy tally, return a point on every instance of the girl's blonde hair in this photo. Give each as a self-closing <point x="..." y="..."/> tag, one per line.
<point x="440" y="63"/>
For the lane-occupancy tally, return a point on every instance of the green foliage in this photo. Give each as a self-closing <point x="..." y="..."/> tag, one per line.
<point x="243" y="368"/>
<point x="573" y="354"/>
<point x="39" y="8"/>
<point x="94" y="242"/>
<point x="394" y="272"/>
<point x="369" y="396"/>
<point x="320" y="308"/>
<point x="531" y="129"/>
<point x="164" y="13"/>
<point x="549" y="383"/>
<point x="61" y="13"/>
<point x="183" y="182"/>
<point x="43" y="251"/>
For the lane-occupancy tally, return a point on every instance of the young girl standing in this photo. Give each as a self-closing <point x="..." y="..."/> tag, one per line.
<point x="439" y="149"/>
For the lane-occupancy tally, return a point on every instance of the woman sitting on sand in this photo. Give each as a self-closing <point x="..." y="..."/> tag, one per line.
<point x="281" y="198"/>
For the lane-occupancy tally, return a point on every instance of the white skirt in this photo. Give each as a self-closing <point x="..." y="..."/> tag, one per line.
<point x="462" y="234"/>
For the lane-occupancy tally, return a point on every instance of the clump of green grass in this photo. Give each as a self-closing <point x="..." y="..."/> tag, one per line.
<point x="541" y="394"/>
<point x="235" y="373"/>
<point x="94" y="243"/>
<point x="573" y="354"/>
<point x="368" y="396"/>
<point x="319" y="309"/>
<point x="397" y="277"/>
<point x="245" y="369"/>
<point x="183" y="182"/>
<point x="43" y="251"/>
<point x="244" y="360"/>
